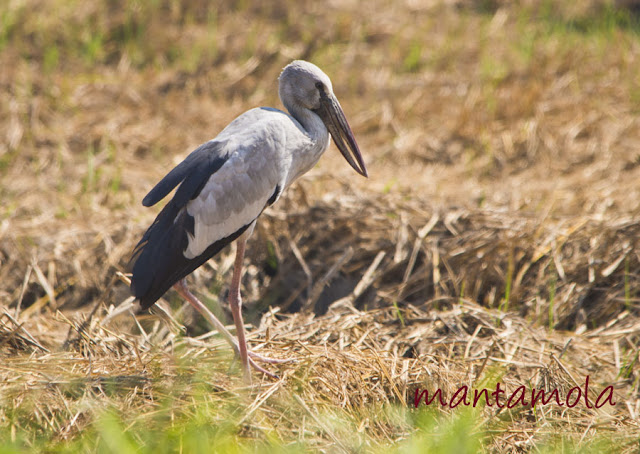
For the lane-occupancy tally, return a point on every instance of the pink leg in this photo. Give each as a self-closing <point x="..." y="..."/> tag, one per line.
<point x="235" y="301"/>
<point x="181" y="288"/>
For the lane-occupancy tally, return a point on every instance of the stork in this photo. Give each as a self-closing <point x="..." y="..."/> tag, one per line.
<point x="225" y="184"/>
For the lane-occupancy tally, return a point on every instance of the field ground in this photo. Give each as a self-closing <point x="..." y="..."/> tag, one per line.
<point x="494" y="242"/>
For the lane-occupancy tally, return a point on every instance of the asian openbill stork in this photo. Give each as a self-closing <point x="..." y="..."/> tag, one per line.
<point x="226" y="183"/>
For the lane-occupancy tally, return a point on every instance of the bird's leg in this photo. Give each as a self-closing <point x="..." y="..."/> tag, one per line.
<point x="235" y="301"/>
<point x="181" y="288"/>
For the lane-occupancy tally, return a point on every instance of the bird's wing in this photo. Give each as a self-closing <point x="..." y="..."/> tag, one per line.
<point x="196" y="168"/>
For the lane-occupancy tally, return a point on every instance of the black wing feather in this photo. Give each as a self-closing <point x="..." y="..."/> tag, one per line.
<point x="206" y="159"/>
<point x="158" y="260"/>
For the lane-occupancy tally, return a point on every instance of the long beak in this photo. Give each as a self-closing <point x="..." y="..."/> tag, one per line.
<point x="333" y="117"/>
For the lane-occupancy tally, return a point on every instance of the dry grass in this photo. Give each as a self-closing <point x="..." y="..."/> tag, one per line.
<point x="495" y="241"/>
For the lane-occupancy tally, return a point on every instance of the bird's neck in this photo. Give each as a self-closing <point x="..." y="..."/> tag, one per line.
<point x="313" y="125"/>
<point x="319" y="140"/>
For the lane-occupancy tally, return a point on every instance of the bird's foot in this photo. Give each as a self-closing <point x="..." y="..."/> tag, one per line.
<point x="253" y="357"/>
<point x="266" y="359"/>
<point x="253" y="364"/>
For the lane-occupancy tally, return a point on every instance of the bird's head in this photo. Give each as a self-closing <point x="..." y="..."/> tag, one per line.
<point x="299" y="82"/>
<point x="304" y="85"/>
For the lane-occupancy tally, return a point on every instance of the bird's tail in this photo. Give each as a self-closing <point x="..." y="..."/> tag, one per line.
<point x="158" y="261"/>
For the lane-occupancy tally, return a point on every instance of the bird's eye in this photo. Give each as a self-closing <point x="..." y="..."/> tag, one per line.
<point x="320" y="86"/>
